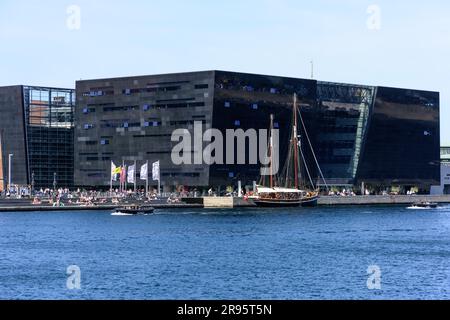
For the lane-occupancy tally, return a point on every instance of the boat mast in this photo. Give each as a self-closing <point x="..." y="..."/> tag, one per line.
<point x="271" y="150"/>
<point x="295" y="142"/>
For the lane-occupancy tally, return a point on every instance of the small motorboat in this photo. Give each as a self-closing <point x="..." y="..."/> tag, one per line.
<point x="134" y="210"/>
<point x="423" y="205"/>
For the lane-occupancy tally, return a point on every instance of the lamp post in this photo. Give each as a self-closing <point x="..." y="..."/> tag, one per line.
<point x="9" y="172"/>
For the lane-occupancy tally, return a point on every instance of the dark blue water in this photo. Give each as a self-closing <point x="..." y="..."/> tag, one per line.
<point x="320" y="253"/>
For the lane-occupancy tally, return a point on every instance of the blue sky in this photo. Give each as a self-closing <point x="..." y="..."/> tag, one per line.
<point x="280" y="37"/>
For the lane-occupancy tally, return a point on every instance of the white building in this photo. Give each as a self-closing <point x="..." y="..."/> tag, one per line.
<point x="444" y="188"/>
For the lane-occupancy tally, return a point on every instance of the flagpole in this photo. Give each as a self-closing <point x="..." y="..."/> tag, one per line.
<point x="135" y="178"/>
<point x="146" y="182"/>
<point x="111" y="188"/>
<point x="122" y="180"/>
<point x="159" y="179"/>
<point x="126" y="179"/>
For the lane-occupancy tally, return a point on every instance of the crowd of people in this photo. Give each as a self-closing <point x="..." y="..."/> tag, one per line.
<point x="79" y="197"/>
<point x="65" y="197"/>
<point x="350" y="193"/>
<point x="342" y="193"/>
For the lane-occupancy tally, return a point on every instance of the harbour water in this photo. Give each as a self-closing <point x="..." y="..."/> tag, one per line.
<point x="319" y="253"/>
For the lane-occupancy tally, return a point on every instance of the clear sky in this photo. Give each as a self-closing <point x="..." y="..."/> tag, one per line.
<point x="402" y="43"/>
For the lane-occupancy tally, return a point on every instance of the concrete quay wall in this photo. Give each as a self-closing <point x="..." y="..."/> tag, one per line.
<point x="380" y="200"/>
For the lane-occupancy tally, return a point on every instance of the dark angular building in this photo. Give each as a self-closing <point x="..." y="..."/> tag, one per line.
<point x="37" y="128"/>
<point x="402" y="143"/>
<point x="376" y="135"/>
<point x="132" y="119"/>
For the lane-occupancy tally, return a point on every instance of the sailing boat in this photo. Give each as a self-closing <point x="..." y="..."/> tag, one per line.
<point x="291" y="195"/>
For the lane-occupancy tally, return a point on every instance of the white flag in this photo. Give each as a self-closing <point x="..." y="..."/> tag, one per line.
<point x="144" y="172"/>
<point x="130" y="176"/>
<point x="156" y="172"/>
<point x="114" y="171"/>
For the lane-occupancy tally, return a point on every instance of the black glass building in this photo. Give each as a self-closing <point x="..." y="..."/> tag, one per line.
<point x="38" y="130"/>
<point x="402" y="143"/>
<point x="378" y="136"/>
<point x="128" y="120"/>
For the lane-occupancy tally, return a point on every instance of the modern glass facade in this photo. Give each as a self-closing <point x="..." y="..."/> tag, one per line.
<point x="49" y="124"/>
<point x="338" y="126"/>
<point x="376" y="135"/>
<point x="402" y="143"/>
<point x="12" y="130"/>
<point x="245" y="101"/>
<point x="124" y="120"/>
<point x="380" y="136"/>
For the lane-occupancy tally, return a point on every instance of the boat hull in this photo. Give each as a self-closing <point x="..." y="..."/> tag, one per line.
<point x="310" y="202"/>
<point x="274" y="203"/>
<point x="424" y="206"/>
<point x="142" y="211"/>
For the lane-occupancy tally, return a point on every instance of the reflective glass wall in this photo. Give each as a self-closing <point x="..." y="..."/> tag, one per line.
<point x="402" y="146"/>
<point x="246" y="101"/>
<point x="381" y="136"/>
<point x="339" y="128"/>
<point x="50" y="136"/>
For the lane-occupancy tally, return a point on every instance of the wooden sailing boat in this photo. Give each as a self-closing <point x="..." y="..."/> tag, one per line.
<point x="291" y="195"/>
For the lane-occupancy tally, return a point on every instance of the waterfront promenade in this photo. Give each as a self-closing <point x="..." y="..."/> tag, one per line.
<point x="381" y="200"/>
<point x="11" y="205"/>
<point x="218" y="202"/>
<point x="26" y="205"/>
